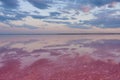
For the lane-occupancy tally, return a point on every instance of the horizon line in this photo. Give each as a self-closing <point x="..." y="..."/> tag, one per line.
<point x="63" y="34"/>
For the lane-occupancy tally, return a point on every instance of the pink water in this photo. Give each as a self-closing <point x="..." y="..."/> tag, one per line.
<point x="60" y="57"/>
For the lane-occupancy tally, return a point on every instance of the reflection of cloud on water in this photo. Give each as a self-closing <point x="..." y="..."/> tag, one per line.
<point x="48" y="58"/>
<point x="32" y="48"/>
<point x="40" y="41"/>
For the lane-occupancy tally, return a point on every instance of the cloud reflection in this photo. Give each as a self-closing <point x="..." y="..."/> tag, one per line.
<point x="59" y="57"/>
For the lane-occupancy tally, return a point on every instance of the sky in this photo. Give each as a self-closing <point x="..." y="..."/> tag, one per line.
<point x="59" y="16"/>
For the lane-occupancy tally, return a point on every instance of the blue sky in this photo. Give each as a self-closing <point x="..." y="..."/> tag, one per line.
<point x="59" y="16"/>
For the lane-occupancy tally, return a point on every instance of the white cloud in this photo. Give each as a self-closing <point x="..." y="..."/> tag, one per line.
<point x="25" y="6"/>
<point x="1" y="14"/>
<point x="44" y="27"/>
<point x="117" y="13"/>
<point x="77" y="15"/>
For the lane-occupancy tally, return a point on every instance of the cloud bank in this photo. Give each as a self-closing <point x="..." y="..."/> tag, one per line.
<point x="49" y="16"/>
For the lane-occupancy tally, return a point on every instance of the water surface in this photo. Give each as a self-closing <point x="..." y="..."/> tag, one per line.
<point x="60" y="57"/>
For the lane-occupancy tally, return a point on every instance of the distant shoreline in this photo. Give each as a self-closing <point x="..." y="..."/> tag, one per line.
<point x="68" y="34"/>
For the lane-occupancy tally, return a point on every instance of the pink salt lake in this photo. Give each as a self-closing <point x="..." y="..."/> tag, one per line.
<point x="63" y="57"/>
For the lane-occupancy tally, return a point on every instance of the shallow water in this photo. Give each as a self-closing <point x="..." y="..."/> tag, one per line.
<point x="60" y="57"/>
